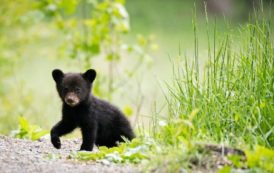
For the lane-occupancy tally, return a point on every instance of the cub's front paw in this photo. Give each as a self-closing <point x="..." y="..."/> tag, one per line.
<point x="56" y="142"/>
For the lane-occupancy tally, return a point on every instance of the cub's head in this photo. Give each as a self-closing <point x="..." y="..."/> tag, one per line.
<point x="73" y="88"/>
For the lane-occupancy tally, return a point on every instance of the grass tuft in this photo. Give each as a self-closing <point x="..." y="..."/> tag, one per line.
<point x="235" y="96"/>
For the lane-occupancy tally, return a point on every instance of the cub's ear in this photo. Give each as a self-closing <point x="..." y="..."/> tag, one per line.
<point x="57" y="75"/>
<point x="89" y="75"/>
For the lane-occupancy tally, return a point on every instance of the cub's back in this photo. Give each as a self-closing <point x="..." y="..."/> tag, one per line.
<point x="112" y="124"/>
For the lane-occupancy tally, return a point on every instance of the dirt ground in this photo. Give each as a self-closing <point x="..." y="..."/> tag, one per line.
<point x="25" y="156"/>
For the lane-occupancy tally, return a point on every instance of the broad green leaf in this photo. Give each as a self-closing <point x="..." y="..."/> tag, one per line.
<point x="128" y="111"/>
<point x="39" y="134"/>
<point x="23" y="123"/>
<point x="225" y="169"/>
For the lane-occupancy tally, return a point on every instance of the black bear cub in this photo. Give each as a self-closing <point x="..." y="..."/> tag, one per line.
<point x="100" y="123"/>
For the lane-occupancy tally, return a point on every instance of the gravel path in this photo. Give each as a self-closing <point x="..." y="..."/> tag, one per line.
<point x="25" y="156"/>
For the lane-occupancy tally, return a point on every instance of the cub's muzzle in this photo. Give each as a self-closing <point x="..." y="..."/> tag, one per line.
<point x="72" y="99"/>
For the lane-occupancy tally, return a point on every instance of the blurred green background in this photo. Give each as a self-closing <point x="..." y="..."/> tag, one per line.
<point x="38" y="36"/>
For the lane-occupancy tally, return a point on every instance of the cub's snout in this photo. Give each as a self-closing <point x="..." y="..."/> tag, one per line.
<point x="72" y="99"/>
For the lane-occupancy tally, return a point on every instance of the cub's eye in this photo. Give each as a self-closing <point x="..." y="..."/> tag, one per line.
<point x="77" y="89"/>
<point x="66" y="89"/>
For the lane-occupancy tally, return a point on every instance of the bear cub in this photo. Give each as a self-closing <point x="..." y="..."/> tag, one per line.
<point x="101" y="123"/>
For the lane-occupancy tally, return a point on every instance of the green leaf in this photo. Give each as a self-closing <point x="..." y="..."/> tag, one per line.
<point x="120" y="11"/>
<point x="128" y="111"/>
<point x="39" y="134"/>
<point x="121" y="1"/>
<point x="225" y="169"/>
<point x="236" y="160"/>
<point x="23" y="123"/>
<point x="95" y="48"/>
<point x="142" y="40"/>
<point x="69" y="6"/>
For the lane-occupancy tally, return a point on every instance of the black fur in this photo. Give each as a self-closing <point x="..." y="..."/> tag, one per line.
<point x="100" y="123"/>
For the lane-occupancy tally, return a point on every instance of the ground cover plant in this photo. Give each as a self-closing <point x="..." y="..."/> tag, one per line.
<point x="28" y="131"/>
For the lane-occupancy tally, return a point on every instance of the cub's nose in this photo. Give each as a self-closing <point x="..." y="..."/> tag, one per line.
<point x="70" y="100"/>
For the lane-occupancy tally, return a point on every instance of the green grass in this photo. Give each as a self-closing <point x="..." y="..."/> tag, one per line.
<point x="234" y="94"/>
<point x="228" y="101"/>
